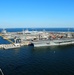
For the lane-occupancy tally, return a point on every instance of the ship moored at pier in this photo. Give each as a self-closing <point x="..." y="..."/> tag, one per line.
<point x="36" y="38"/>
<point x="53" y="42"/>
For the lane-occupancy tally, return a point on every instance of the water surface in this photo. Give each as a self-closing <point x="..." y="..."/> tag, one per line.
<point x="38" y="61"/>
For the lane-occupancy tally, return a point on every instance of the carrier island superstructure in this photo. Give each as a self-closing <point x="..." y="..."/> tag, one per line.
<point x="38" y="38"/>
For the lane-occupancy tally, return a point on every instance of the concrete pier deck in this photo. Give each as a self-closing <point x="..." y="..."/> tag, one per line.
<point x="17" y="45"/>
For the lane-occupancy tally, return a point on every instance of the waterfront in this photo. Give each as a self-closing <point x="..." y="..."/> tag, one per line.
<point x="55" y="60"/>
<point x="37" y="38"/>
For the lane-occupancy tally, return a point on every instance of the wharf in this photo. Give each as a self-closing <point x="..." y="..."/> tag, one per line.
<point x="17" y="45"/>
<point x="38" y="38"/>
<point x="13" y="44"/>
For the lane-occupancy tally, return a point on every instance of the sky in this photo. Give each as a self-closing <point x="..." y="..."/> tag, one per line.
<point x="36" y="13"/>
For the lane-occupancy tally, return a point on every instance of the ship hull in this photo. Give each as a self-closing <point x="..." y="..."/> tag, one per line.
<point x="53" y="42"/>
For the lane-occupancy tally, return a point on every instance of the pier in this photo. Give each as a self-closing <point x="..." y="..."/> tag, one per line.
<point x="9" y="46"/>
<point x="25" y="37"/>
<point x="13" y="44"/>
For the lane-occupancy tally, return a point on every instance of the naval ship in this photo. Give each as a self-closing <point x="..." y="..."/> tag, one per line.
<point x="53" y="42"/>
<point x="41" y="43"/>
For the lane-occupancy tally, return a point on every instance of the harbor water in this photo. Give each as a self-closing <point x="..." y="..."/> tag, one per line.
<point x="54" y="60"/>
